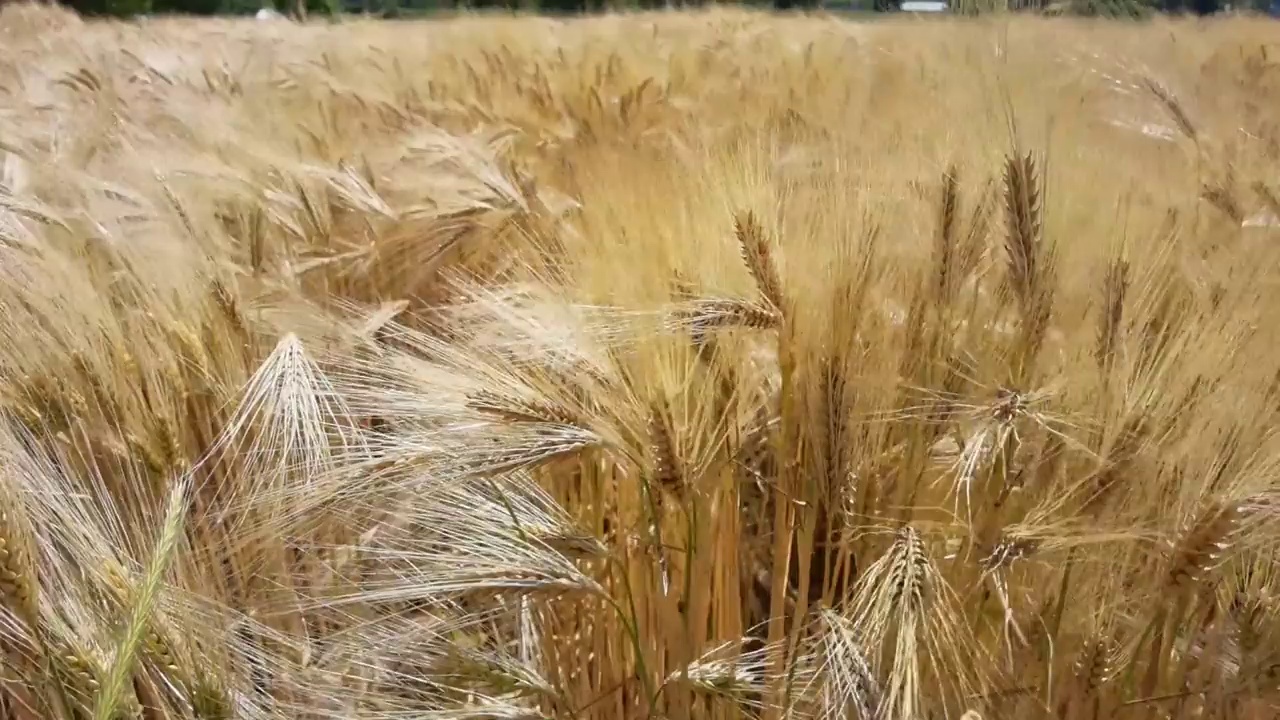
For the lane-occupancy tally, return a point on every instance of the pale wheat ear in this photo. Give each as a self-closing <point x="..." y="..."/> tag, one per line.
<point x="842" y="672"/>
<point x="289" y="430"/>
<point x="703" y="315"/>
<point x="470" y="537"/>
<point x="517" y="410"/>
<point x="908" y="618"/>
<point x="726" y="671"/>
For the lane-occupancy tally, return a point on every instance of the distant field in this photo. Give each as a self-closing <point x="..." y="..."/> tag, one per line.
<point x="704" y="365"/>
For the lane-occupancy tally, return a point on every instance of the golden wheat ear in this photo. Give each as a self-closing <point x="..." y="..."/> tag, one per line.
<point x="1030" y="260"/>
<point x="19" y="584"/>
<point x="1115" y="287"/>
<point x="1270" y="197"/>
<point x="1202" y="547"/>
<point x="667" y="470"/>
<point x="758" y="254"/>
<point x="1177" y="111"/>
<point x="1222" y="196"/>
<point x="706" y="314"/>
<point x="946" y="247"/>
<point x="1022" y="213"/>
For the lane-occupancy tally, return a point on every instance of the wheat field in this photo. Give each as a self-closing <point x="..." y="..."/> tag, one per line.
<point x="665" y="366"/>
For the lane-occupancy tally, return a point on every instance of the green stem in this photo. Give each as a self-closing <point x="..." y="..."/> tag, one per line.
<point x="632" y="627"/>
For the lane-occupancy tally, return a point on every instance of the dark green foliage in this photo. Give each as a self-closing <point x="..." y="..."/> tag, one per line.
<point x="324" y="7"/>
<point x="114" y="8"/>
<point x="1111" y="8"/>
<point x="221" y="7"/>
<point x="127" y="7"/>
<point x="196" y="7"/>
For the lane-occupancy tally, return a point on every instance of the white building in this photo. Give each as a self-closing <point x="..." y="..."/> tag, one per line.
<point x="924" y="6"/>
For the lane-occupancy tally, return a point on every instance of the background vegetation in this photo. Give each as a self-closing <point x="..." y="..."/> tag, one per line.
<point x="704" y="365"/>
<point x="410" y="8"/>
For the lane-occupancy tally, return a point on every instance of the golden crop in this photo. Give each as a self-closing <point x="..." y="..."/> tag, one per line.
<point x="704" y="365"/>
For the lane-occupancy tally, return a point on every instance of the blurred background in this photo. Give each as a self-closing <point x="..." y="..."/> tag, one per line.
<point x="868" y="8"/>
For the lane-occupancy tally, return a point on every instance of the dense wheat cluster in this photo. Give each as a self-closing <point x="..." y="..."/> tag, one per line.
<point x="665" y="366"/>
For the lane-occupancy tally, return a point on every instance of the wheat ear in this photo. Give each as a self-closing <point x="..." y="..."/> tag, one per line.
<point x="1115" y="286"/>
<point x="19" y="585"/>
<point x="520" y="410"/>
<point x="1221" y="197"/>
<point x="1203" y="545"/>
<point x="757" y="253"/>
<point x="1030" y="262"/>
<point x="945" y="240"/>
<point x="849" y="685"/>
<point x="667" y="472"/>
<point x="165" y="649"/>
<point x="1270" y="198"/>
<point x="108" y="701"/>
<point x="722" y="313"/>
<point x="1174" y="106"/>
<point x="1022" y="213"/>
